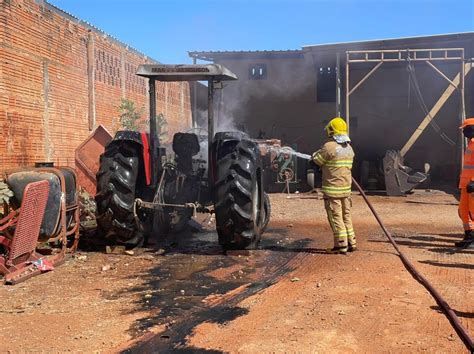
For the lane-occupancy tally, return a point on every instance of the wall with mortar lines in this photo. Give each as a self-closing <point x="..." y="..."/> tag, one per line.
<point x="52" y="93"/>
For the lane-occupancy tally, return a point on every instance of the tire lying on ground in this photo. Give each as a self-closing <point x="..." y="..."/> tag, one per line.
<point x="238" y="194"/>
<point x="120" y="172"/>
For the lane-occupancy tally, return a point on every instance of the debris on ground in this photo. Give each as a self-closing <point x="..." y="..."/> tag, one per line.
<point x="348" y="313"/>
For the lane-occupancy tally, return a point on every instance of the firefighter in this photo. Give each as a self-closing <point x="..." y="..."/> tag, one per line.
<point x="466" y="184"/>
<point x="335" y="159"/>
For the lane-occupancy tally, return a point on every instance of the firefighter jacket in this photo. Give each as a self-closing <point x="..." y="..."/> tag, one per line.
<point x="336" y="163"/>
<point x="467" y="173"/>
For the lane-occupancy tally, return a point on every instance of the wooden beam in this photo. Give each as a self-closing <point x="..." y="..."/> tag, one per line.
<point x="436" y="108"/>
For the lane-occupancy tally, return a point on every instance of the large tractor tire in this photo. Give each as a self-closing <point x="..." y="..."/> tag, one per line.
<point x="116" y="192"/>
<point x="267" y="211"/>
<point x="238" y="195"/>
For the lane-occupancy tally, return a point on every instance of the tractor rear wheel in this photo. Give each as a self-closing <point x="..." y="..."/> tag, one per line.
<point x="116" y="193"/>
<point x="238" y="196"/>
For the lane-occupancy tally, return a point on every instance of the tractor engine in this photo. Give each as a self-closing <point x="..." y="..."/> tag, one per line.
<point x="182" y="181"/>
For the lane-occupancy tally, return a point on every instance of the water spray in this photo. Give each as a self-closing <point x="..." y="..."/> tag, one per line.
<point x="288" y="150"/>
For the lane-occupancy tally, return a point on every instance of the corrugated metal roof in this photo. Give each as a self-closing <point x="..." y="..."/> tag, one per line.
<point x="369" y="43"/>
<point x="244" y="51"/>
<point x="381" y="42"/>
<point x="239" y="54"/>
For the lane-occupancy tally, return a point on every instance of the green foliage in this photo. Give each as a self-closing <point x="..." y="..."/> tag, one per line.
<point x="5" y="195"/>
<point x="130" y="116"/>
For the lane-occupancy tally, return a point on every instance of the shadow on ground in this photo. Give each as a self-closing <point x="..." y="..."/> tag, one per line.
<point x="449" y="265"/>
<point x="458" y="313"/>
<point x="172" y="293"/>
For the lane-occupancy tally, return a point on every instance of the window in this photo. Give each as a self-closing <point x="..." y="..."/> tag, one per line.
<point x="326" y="84"/>
<point x="257" y="71"/>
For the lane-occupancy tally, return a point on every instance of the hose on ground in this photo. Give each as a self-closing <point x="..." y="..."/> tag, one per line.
<point x="450" y="314"/>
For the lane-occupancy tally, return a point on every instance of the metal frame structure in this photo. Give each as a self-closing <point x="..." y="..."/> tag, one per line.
<point x="212" y="73"/>
<point x="427" y="56"/>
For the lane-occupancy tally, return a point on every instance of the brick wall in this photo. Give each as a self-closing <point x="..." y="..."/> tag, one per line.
<point x="60" y="78"/>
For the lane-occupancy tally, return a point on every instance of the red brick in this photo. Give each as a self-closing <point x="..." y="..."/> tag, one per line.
<point x="37" y="38"/>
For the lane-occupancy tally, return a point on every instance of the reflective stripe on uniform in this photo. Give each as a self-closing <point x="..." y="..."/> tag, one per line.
<point x="340" y="163"/>
<point x="340" y="233"/>
<point x="319" y="159"/>
<point x="337" y="188"/>
<point x="334" y="191"/>
<point x="468" y="167"/>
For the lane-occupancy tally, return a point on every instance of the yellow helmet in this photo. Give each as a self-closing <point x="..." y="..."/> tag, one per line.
<point x="336" y="126"/>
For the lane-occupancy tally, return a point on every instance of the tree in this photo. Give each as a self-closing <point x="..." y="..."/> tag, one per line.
<point x="130" y="117"/>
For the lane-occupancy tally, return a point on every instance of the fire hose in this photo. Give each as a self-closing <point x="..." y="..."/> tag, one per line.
<point x="450" y="314"/>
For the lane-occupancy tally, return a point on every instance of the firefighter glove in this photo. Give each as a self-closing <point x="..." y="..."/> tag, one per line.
<point x="470" y="187"/>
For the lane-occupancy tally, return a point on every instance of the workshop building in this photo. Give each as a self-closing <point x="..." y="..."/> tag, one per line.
<point x="291" y="95"/>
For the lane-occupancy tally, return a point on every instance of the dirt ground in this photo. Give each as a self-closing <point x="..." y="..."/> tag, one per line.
<point x="286" y="296"/>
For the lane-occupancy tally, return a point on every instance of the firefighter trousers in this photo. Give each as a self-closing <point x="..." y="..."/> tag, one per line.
<point x="339" y="215"/>
<point x="466" y="209"/>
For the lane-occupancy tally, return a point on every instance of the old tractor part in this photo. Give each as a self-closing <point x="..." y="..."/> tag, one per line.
<point x="448" y="311"/>
<point x="58" y="232"/>
<point x="399" y="179"/>
<point x="238" y="195"/>
<point x="87" y="158"/>
<point x="60" y="224"/>
<point x="17" y="253"/>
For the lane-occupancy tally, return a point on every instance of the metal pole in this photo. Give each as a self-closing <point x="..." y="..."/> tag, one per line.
<point x="154" y="139"/>
<point x="210" y="124"/>
<point x="347" y="92"/>
<point x="462" y="117"/>
<point x="462" y="82"/>
<point x="195" y="86"/>
<point x="338" y="84"/>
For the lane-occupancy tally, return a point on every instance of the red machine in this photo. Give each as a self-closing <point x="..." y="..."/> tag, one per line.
<point x="44" y="210"/>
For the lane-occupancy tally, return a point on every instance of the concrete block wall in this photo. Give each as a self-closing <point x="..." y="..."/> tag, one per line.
<point x="60" y="78"/>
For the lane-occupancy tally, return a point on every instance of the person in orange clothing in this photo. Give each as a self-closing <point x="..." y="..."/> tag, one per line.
<point x="466" y="184"/>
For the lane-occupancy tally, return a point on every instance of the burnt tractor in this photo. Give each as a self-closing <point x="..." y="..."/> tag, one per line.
<point x="140" y="192"/>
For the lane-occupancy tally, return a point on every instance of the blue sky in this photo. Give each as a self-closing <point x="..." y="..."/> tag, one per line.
<point x="166" y="30"/>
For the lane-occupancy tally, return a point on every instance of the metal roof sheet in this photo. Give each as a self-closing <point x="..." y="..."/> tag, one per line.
<point x="185" y="72"/>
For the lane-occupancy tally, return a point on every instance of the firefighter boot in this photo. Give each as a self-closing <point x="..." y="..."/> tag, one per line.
<point x="467" y="241"/>
<point x="337" y="250"/>
<point x="352" y="248"/>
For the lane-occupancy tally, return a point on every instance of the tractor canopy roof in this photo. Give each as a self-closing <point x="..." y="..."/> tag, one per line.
<point x="184" y="72"/>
